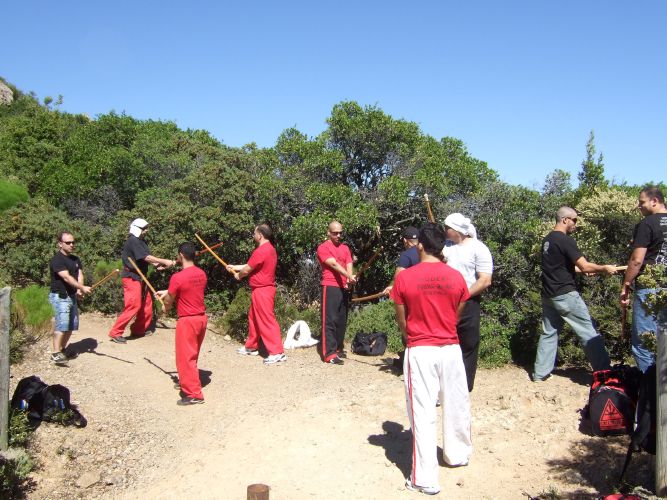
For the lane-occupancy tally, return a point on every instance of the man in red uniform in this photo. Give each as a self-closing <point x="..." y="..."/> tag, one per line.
<point x="336" y="262"/>
<point x="261" y="316"/>
<point x="186" y="288"/>
<point x="429" y="298"/>
<point x="138" y="301"/>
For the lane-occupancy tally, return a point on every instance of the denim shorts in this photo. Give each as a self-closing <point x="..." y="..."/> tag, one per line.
<point x="65" y="313"/>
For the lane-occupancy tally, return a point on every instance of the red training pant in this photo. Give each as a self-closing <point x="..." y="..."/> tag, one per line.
<point x="262" y="321"/>
<point x="190" y="331"/>
<point x="139" y="303"/>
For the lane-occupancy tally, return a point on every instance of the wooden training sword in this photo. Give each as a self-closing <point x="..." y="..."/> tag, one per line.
<point x="106" y="278"/>
<point x="150" y="287"/>
<point x="209" y="249"/>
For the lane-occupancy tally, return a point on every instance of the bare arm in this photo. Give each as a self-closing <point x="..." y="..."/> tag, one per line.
<point x="78" y="283"/>
<point x="167" y="298"/>
<point x="400" y="319"/>
<point x="242" y="270"/>
<point x="156" y="261"/>
<point x="483" y="282"/>
<point x="589" y="267"/>
<point x="634" y="265"/>
<point x="335" y="266"/>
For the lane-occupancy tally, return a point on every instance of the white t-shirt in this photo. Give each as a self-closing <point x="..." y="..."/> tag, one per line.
<point x="469" y="259"/>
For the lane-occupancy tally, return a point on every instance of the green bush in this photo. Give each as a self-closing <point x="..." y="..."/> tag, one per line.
<point x="235" y="321"/>
<point x="32" y="310"/>
<point x="15" y="466"/>
<point x="108" y="297"/>
<point x="20" y="430"/>
<point x="11" y="194"/>
<point x="378" y="317"/>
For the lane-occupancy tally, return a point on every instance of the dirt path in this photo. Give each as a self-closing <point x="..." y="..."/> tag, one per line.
<point x="307" y="429"/>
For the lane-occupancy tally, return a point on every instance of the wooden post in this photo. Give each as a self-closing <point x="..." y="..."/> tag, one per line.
<point x="4" y="367"/>
<point x="258" y="492"/>
<point x="661" y="416"/>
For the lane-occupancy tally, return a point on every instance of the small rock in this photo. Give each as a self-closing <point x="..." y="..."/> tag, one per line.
<point x="460" y="482"/>
<point x="113" y="480"/>
<point x="227" y="337"/>
<point x="88" y="479"/>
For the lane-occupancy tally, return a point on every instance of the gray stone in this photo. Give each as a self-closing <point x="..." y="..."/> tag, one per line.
<point x="6" y="94"/>
<point x="88" y="479"/>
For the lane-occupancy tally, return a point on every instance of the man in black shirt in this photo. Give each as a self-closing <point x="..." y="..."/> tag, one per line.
<point x="649" y="247"/>
<point x="138" y="300"/>
<point x="66" y="284"/>
<point x="560" y="300"/>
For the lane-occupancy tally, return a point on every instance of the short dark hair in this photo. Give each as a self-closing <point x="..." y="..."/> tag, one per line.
<point x="61" y="234"/>
<point x="265" y="231"/>
<point x="653" y="192"/>
<point x="432" y="238"/>
<point x="188" y="250"/>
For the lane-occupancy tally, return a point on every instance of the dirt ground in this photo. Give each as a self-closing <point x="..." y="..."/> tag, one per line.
<point x="306" y="429"/>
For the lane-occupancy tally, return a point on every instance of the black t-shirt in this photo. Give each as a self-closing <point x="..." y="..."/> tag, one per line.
<point x="651" y="233"/>
<point x="559" y="253"/>
<point x="138" y="250"/>
<point x="62" y="262"/>
<point x="408" y="258"/>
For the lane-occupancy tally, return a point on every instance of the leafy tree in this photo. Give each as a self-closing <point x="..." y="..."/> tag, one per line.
<point x="591" y="176"/>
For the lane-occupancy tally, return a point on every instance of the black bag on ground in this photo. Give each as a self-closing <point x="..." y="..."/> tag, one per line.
<point x="369" y="344"/>
<point x="46" y="402"/>
<point x="612" y="400"/>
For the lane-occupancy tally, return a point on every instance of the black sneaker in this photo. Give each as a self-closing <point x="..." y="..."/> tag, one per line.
<point x="187" y="401"/>
<point x="342" y="354"/>
<point x="119" y="340"/>
<point x="336" y="361"/>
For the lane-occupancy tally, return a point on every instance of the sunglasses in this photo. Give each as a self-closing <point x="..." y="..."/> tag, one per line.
<point x="336" y="232"/>
<point x="68" y="242"/>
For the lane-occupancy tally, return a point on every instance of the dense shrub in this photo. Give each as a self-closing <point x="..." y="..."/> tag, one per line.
<point x="378" y="317"/>
<point x="31" y="318"/>
<point x="11" y="194"/>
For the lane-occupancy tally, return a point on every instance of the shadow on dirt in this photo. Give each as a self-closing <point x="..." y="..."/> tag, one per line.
<point x="89" y="345"/>
<point x="597" y="462"/>
<point x="397" y="444"/>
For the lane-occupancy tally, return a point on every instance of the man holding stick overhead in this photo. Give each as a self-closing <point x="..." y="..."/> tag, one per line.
<point x="335" y="260"/>
<point x="138" y="302"/>
<point x="560" y="300"/>
<point x="66" y="284"/>
<point x="428" y="299"/>
<point x="261" y="267"/>
<point x="186" y="288"/>
<point x="649" y="247"/>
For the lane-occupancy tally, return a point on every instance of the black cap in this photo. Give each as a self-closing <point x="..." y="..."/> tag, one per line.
<point x="411" y="233"/>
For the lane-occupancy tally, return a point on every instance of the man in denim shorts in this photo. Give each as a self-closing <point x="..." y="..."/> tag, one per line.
<point x="561" y="302"/>
<point x="66" y="284"/>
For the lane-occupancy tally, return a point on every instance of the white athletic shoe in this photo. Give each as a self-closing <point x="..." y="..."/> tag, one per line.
<point x="275" y="358"/>
<point x="428" y="490"/>
<point x="247" y="352"/>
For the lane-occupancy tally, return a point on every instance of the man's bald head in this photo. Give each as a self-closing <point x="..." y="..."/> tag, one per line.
<point x="334" y="231"/>
<point x="565" y="212"/>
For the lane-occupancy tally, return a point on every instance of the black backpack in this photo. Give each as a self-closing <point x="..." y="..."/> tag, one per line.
<point x="369" y="344"/>
<point x="46" y="402"/>
<point x="612" y="400"/>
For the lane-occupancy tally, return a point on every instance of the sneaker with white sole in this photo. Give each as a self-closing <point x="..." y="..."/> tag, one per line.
<point x="247" y="352"/>
<point x="427" y="490"/>
<point x="275" y="358"/>
<point x="59" y="358"/>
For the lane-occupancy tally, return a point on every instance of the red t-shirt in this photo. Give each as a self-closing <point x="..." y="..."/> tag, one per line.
<point x="263" y="261"/>
<point x="342" y="255"/>
<point x="188" y="287"/>
<point x="431" y="293"/>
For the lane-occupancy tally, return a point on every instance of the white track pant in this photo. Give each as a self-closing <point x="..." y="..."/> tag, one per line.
<point x="432" y="373"/>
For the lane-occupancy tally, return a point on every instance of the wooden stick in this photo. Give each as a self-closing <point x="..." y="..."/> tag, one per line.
<point x="369" y="262"/>
<point x="136" y="268"/>
<point x="368" y="297"/>
<point x="106" y="278"/>
<point x="428" y="208"/>
<point x="617" y="268"/>
<point x="204" y="251"/>
<point x="208" y="249"/>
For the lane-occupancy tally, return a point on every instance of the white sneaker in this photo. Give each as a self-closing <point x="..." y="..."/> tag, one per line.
<point x="428" y="490"/>
<point x="275" y="358"/>
<point x="247" y="352"/>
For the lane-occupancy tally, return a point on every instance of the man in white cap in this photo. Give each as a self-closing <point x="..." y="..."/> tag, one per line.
<point x="472" y="258"/>
<point x="138" y="300"/>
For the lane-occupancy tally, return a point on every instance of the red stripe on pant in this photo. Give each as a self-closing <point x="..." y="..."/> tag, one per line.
<point x="262" y="321"/>
<point x="139" y="303"/>
<point x="190" y="332"/>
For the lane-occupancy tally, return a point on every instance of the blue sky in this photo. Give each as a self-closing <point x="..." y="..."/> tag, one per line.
<point x="521" y="83"/>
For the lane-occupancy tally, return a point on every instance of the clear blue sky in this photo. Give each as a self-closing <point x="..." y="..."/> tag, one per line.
<point x="521" y="83"/>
